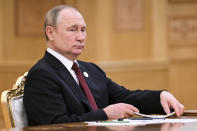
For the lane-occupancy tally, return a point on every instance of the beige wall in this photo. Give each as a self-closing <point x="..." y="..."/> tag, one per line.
<point x="149" y="58"/>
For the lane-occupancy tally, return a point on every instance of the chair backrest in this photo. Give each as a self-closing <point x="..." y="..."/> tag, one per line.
<point x="12" y="104"/>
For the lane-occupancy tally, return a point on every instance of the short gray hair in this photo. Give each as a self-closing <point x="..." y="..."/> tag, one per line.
<point x="51" y="17"/>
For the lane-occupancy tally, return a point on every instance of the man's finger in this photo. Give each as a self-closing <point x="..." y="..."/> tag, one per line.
<point x="181" y="109"/>
<point x="129" y="112"/>
<point x="166" y="107"/>
<point x="133" y="108"/>
<point x="175" y="106"/>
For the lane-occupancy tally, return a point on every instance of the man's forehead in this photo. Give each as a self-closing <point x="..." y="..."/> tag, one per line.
<point x="71" y="16"/>
<point x="77" y="25"/>
<point x="74" y="22"/>
<point x="70" y="13"/>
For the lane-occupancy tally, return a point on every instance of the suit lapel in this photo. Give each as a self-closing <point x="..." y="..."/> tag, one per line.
<point x="67" y="77"/>
<point x="83" y="71"/>
<point x="88" y="81"/>
<point x="72" y="84"/>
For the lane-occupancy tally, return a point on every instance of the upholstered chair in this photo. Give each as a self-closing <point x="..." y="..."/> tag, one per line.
<point x="12" y="104"/>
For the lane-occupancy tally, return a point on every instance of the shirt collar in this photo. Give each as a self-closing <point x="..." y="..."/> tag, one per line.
<point x="66" y="62"/>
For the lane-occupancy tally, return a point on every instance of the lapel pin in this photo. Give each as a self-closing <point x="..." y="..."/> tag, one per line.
<point x="85" y="74"/>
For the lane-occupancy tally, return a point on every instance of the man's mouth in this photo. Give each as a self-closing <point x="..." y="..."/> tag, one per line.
<point x="79" y="47"/>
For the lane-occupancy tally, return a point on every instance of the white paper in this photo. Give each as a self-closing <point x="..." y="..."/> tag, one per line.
<point x="154" y="116"/>
<point x="127" y="122"/>
<point x="115" y="123"/>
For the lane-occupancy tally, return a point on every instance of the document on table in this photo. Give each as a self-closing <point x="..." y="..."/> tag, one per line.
<point x="154" y="116"/>
<point x="127" y="122"/>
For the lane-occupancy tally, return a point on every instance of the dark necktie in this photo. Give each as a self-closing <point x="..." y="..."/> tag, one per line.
<point x="84" y="86"/>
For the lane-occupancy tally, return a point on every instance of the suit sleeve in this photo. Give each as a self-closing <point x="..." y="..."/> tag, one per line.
<point x="147" y="101"/>
<point x="44" y="102"/>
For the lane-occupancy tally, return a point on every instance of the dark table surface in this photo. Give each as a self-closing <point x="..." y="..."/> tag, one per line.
<point x="84" y="127"/>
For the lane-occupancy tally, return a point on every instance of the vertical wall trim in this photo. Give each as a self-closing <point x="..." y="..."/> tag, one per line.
<point x="1" y="29"/>
<point x="159" y="34"/>
<point x="103" y="29"/>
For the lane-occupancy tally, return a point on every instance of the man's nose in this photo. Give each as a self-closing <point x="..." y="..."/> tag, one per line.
<point x="81" y="36"/>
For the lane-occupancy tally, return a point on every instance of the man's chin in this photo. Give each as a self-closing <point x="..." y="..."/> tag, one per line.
<point x="77" y="54"/>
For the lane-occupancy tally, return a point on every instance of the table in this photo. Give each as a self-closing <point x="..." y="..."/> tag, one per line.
<point x="85" y="127"/>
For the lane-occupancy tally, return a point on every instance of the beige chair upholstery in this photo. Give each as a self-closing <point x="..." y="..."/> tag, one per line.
<point x="12" y="104"/>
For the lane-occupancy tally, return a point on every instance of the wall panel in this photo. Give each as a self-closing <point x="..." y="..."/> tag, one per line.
<point x="138" y="74"/>
<point x="182" y="81"/>
<point x="182" y="39"/>
<point x="132" y="44"/>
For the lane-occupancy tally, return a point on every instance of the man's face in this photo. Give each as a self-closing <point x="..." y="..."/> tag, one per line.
<point x="69" y="34"/>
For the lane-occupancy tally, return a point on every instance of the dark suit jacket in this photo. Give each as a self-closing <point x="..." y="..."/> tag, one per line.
<point x="51" y="94"/>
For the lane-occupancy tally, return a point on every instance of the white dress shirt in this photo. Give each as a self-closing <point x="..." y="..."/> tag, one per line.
<point x="66" y="62"/>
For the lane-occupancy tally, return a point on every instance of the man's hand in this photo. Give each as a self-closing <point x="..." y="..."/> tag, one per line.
<point x="169" y="101"/>
<point x="120" y="110"/>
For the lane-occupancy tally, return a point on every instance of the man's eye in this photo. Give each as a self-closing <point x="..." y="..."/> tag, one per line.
<point x="71" y="30"/>
<point x="83" y="30"/>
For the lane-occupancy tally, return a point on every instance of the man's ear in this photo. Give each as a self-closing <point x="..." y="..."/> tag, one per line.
<point x="50" y="32"/>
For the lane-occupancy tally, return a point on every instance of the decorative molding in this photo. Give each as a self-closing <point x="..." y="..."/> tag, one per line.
<point x="129" y="15"/>
<point x="183" y="54"/>
<point x="15" y="66"/>
<point x="29" y="15"/>
<point x="138" y="65"/>
<point x="181" y="1"/>
<point x="182" y="30"/>
<point x="108" y="66"/>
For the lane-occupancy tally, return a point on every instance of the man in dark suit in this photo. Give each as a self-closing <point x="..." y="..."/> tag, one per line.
<point x="55" y="93"/>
